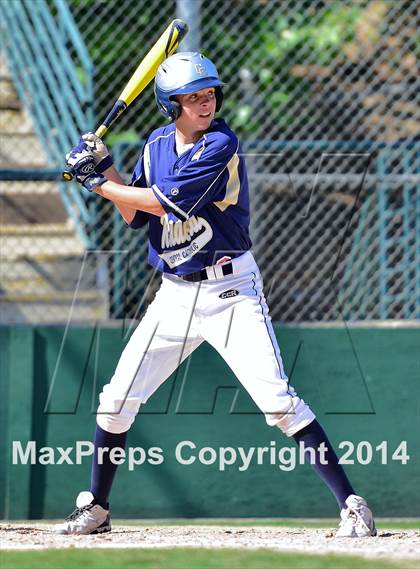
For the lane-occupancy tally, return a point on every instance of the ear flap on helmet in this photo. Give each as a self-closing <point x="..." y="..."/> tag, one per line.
<point x="175" y="108"/>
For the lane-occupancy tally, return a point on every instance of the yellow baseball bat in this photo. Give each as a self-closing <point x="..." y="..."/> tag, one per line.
<point x="145" y="72"/>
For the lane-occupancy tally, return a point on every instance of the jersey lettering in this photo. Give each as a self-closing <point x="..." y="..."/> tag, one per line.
<point x="178" y="232"/>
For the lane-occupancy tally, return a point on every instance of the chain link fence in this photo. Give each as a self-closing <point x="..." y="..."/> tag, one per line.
<point x="324" y="96"/>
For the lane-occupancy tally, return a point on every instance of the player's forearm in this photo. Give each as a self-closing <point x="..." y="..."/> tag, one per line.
<point x="126" y="212"/>
<point x="142" y="199"/>
<point x="113" y="175"/>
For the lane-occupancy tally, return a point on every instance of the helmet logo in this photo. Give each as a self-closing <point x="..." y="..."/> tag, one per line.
<point x="200" y="69"/>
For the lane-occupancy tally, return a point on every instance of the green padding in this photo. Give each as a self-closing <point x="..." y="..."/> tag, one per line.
<point x="362" y="383"/>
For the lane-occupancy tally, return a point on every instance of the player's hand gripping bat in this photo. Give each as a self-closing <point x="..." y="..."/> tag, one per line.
<point x="145" y="72"/>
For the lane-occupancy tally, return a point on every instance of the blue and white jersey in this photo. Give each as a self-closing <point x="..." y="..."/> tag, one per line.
<point x="204" y="193"/>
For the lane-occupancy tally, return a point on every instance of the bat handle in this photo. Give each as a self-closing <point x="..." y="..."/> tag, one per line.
<point x="101" y="131"/>
<point x="67" y="175"/>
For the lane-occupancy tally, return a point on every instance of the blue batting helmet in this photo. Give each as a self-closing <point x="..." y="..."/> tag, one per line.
<point x="183" y="73"/>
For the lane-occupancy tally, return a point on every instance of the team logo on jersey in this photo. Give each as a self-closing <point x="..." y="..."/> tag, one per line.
<point x="174" y="191"/>
<point x="229" y="293"/>
<point x="196" y="232"/>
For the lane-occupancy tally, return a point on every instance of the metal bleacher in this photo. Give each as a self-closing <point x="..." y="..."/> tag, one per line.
<point x="46" y="100"/>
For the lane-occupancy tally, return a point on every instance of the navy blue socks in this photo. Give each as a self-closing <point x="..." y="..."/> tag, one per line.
<point x="332" y="473"/>
<point x="311" y="436"/>
<point x="103" y="474"/>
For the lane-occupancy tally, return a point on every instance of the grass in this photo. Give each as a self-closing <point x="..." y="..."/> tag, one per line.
<point x="186" y="559"/>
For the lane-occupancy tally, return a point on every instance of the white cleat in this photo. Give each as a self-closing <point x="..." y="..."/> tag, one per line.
<point x="356" y="519"/>
<point x="87" y="518"/>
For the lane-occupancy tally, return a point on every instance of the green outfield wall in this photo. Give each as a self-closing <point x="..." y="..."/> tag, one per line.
<point x="196" y="434"/>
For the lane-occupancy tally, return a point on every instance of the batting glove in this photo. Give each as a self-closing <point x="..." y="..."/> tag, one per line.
<point x="99" y="151"/>
<point x="83" y="167"/>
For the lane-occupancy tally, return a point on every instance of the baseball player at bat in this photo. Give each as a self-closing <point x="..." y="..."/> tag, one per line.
<point x="190" y="186"/>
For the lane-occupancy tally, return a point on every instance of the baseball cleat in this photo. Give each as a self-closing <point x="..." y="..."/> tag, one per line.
<point x="356" y="519"/>
<point x="88" y="518"/>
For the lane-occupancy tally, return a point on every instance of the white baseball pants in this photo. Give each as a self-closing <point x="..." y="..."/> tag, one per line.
<point x="183" y="315"/>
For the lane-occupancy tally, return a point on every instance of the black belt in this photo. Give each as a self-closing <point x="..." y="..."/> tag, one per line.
<point x="202" y="275"/>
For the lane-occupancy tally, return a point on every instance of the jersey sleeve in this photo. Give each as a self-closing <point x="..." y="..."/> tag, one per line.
<point x="200" y="181"/>
<point x="138" y="179"/>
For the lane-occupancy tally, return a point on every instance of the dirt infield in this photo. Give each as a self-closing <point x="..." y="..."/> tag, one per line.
<point x="390" y="544"/>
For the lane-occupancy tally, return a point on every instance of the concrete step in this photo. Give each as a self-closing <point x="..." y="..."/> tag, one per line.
<point x="48" y="296"/>
<point x="31" y="240"/>
<point x="12" y="115"/>
<point x="8" y="95"/>
<point x="7" y="88"/>
<point x="51" y="312"/>
<point x="30" y="209"/>
<point x="22" y="187"/>
<point x="21" y="149"/>
<point x="4" y="70"/>
<point x="35" y="229"/>
<point x="15" y="120"/>
<point x="30" y="267"/>
<point x="42" y="289"/>
<point x="10" y="104"/>
<point x="53" y="273"/>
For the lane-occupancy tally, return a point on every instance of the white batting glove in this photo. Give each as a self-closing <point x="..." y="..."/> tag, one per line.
<point x="101" y="156"/>
<point x="83" y="167"/>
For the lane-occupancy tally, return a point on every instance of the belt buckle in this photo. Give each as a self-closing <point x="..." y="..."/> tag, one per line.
<point x="218" y="271"/>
